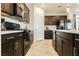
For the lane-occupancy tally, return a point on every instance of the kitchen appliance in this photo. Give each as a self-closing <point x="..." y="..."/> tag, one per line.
<point x="26" y="42"/>
<point x="2" y="24"/>
<point x="17" y="10"/>
<point x="76" y="21"/>
<point x="64" y="24"/>
<point x="11" y="26"/>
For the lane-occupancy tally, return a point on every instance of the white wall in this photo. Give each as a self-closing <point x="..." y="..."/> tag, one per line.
<point x="38" y="23"/>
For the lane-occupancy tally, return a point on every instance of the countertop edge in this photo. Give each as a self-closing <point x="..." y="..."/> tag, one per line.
<point x="9" y="32"/>
<point x="68" y="31"/>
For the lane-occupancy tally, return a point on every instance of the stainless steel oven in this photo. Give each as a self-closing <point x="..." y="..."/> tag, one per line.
<point x="5" y="25"/>
<point x="26" y="38"/>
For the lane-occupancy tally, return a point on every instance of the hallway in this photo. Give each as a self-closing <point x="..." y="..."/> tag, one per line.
<point x="42" y="48"/>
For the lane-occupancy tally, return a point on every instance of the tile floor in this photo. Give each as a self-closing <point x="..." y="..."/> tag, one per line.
<point x="42" y="48"/>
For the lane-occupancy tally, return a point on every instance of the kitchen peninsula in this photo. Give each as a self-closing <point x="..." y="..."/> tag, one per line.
<point x="66" y="42"/>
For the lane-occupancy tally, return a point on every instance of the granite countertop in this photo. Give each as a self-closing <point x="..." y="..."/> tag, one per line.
<point x="10" y="31"/>
<point x="68" y="31"/>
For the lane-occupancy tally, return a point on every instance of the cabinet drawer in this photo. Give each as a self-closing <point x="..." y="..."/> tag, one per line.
<point x="10" y="37"/>
<point x="67" y="36"/>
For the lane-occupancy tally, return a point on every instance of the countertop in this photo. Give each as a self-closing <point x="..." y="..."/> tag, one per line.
<point x="15" y="31"/>
<point x="68" y="31"/>
<point x="10" y="31"/>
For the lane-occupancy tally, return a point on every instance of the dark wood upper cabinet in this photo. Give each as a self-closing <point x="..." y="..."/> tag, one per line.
<point x="18" y="10"/>
<point x="25" y="14"/>
<point x="52" y="20"/>
<point x="7" y="8"/>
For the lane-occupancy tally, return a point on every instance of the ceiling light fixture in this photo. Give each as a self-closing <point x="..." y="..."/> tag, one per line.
<point x="68" y="8"/>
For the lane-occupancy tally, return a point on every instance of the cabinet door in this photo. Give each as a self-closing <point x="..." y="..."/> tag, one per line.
<point x="67" y="48"/>
<point x="59" y="45"/>
<point x="48" y="34"/>
<point x="2" y="6"/>
<point x="7" y="49"/>
<point x="12" y="44"/>
<point x="7" y="45"/>
<point x="18" y="47"/>
<point x="7" y="8"/>
<point x="10" y="8"/>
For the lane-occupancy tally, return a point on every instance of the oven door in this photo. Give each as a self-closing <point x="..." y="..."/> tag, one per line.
<point x="26" y="42"/>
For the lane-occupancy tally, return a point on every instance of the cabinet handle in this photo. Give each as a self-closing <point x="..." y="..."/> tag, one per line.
<point x="77" y="39"/>
<point x="10" y="38"/>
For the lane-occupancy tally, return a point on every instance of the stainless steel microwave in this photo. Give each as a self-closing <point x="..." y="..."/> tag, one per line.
<point x="17" y="10"/>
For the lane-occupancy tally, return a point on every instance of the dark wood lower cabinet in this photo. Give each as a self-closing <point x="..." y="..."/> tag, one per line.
<point x="15" y="44"/>
<point x="18" y="50"/>
<point x="48" y="34"/>
<point x="67" y="48"/>
<point x="64" y="44"/>
<point x="59" y="45"/>
<point x="12" y="44"/>
<point x="7" y="49"/>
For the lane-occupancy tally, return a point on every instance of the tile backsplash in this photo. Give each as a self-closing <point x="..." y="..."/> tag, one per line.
<point x="50" y="27"/>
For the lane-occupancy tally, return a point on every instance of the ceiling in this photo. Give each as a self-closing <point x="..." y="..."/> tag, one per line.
<point x="58" y="7"/>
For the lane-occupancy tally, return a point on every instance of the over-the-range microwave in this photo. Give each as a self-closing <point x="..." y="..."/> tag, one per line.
<point x="17" y="10"/>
